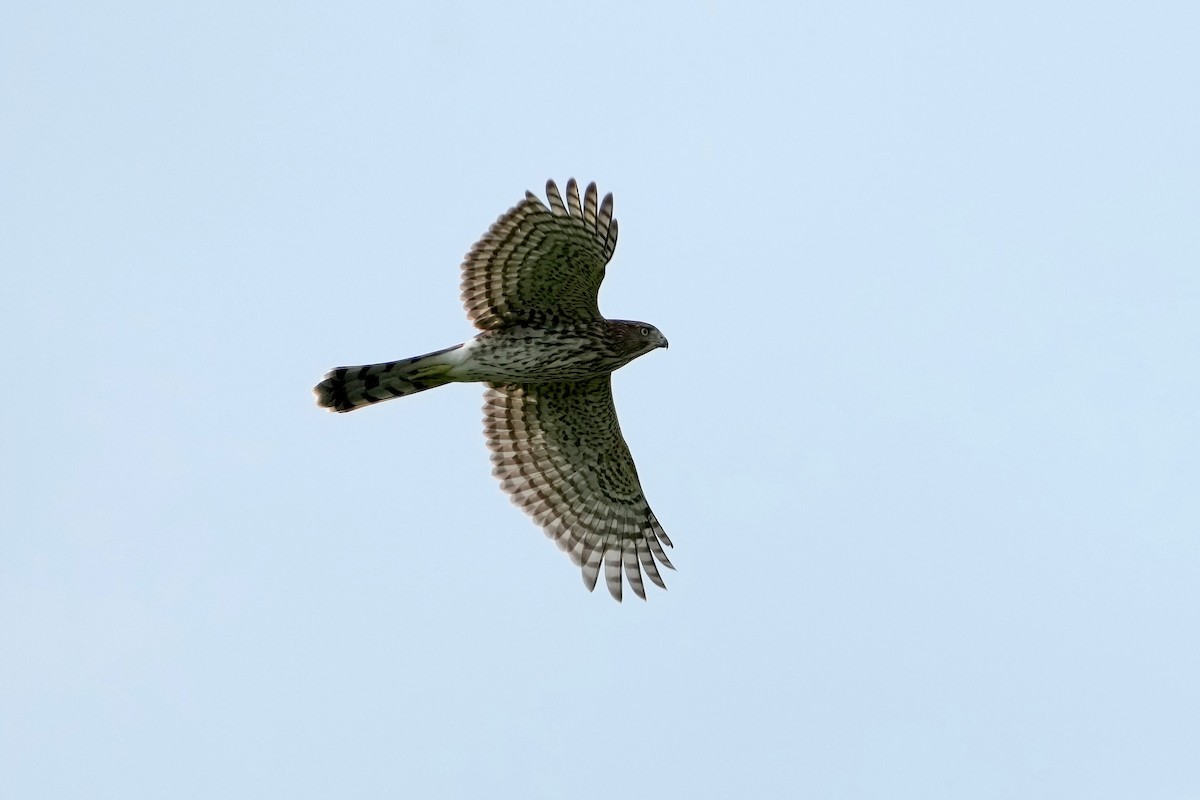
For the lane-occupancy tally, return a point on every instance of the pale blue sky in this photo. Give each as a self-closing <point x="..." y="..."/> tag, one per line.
<point x="926" y="438"/>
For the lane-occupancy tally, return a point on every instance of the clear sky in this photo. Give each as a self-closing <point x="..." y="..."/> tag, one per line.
<point x="926" y="438"/>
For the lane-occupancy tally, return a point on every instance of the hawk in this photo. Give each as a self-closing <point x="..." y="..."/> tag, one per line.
<point x="530" y="285"/>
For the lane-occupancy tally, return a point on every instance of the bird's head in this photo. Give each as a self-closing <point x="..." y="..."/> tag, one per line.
<point x="636" y="338"/>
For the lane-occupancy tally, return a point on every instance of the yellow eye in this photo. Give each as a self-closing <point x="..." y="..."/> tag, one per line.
<point x="645" y="331"/>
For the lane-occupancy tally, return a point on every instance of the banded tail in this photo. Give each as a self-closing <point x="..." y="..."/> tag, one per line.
<point x="348" y="388"/>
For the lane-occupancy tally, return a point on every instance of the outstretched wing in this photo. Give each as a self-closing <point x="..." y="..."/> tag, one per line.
<point x="537" y="263"/>
<point x="559" y="453"/>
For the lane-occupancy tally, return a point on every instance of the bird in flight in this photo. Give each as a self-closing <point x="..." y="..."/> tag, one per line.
<point x="530" y="285"/>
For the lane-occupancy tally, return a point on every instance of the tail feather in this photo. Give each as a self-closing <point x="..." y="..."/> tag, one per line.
<point x="348" y="388"/>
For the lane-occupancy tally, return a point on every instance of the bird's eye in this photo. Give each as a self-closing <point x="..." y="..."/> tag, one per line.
<point x="645" y="331"/>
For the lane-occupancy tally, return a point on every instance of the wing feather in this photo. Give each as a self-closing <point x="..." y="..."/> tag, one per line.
<point x="559" y="454"/>
<point x="541" y="262"/>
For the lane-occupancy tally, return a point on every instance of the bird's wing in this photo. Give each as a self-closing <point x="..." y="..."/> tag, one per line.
<point x="537" y="263"/>
<point x="558" y="452"/>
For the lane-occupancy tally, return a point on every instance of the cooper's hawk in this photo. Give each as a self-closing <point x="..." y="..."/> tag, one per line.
<point x="545" y="352"/>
